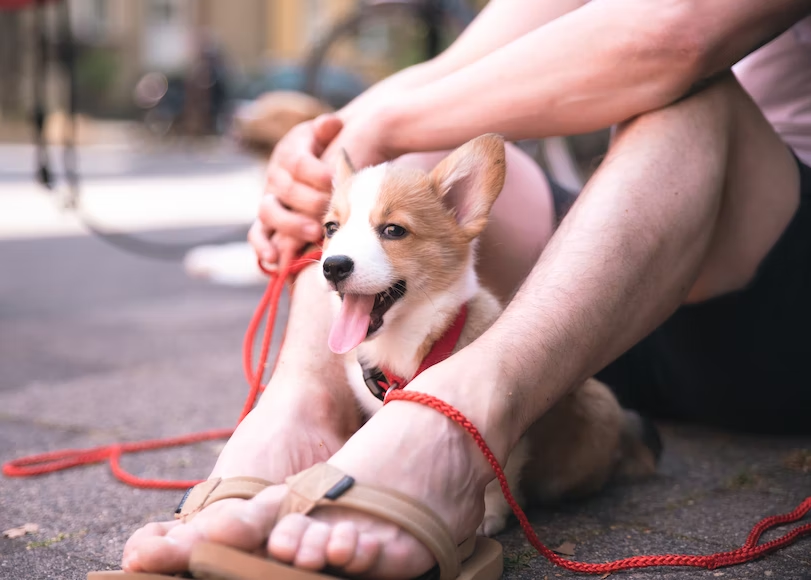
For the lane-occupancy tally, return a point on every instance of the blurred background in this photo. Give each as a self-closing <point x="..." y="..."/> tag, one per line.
<point x="154" y="114"/>
<point x="97" y="96"/>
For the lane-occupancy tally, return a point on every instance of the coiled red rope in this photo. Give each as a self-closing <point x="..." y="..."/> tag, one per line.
<point x="58" y="460"/>
<point x="67" y="458"/>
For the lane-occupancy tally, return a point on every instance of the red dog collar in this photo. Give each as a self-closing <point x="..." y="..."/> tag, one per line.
<point x="381" y="381"/>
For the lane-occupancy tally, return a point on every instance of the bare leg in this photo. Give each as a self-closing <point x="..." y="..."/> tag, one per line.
<point x="686" y="205"/>
<point x="657" y="223"/>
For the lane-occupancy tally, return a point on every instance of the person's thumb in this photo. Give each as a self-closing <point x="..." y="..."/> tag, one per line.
<point x="288" y="247"/>
<point x="326" y="127"/>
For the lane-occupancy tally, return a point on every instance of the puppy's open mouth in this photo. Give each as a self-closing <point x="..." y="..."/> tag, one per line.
<point x="361" y="315"/>
<point x="383" y="301"/>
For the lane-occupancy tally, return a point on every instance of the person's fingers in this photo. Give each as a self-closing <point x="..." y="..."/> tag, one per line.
<point x="287" y="247"/>
<point x="299" y="155"/>
<point x="259" y="238"/>
<point x="306" y="201"/>
<point x="297" y="196"/>
<point x="310" y="170"/>
<point x="276" y="218"/>
<point x="325" y="128"/>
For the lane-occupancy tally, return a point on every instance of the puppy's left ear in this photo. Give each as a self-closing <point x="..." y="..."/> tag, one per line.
<point x="344" y="170"/>
<point x="470" y="179"/>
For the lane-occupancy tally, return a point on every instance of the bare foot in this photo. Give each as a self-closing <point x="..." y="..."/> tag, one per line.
<point x="408" y="448"/>
<point x="282" y="436"/>
<point x="405" y="447"/>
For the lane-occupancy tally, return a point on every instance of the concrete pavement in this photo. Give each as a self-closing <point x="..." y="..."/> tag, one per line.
<point x="130" y="188"/>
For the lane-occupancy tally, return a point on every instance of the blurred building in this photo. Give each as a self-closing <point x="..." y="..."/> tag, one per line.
<point x="258" y="44"/>
<point x="159" y="34"/>
<point x="121" y="40"/>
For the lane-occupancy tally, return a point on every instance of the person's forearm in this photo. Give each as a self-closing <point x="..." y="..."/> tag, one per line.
<point x="499" y="23"/>
<point x="599" y="65"/>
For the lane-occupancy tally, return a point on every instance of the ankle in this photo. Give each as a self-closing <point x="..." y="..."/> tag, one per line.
<point x="309" y="400"/>
<point x="478" y="392"/>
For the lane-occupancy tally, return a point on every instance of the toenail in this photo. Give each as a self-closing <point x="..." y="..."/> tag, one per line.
<point x="249" y="517"/>
<point x="285" y="541"/>
<point x="129" y="560"/>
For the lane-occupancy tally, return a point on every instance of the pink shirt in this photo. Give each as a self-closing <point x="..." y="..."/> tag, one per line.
<point x="778" y="76"/>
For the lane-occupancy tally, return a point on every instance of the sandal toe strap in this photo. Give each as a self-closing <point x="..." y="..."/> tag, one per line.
<point x="212" y="490"/>
<point x="324" y="486"/>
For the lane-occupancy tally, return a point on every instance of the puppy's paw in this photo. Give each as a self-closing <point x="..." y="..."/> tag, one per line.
<point x="492" y="524"/>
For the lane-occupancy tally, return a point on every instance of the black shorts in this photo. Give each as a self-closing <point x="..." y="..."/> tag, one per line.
<point x="740" y="361"/>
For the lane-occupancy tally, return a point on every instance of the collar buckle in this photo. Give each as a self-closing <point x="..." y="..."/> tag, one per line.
<point x="376" y="382"/>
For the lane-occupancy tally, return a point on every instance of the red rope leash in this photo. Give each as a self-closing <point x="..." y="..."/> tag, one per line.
<point x="749" y="551"/>
<point x="58" y="460"/>
<point x="67" y="458"/>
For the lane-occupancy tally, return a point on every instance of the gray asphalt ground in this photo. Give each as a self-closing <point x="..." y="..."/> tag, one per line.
<point x="97" y="346"/>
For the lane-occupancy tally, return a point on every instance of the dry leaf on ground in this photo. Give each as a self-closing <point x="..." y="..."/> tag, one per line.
<point x="21" y="531"/>
<point x="565" y="549"/>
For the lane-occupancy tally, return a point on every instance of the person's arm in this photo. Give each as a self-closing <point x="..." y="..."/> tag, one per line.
<point x="300" y="181"/>
<point x="596" y="66"/>
<point x="499" y="23"/>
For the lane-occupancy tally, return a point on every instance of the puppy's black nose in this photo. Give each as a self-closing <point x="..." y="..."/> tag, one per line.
<point x="337" y="268"/>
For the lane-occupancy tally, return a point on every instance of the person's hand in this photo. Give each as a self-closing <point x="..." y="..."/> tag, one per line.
<point x="362" y="137"/>
<point x="298" y="191"/>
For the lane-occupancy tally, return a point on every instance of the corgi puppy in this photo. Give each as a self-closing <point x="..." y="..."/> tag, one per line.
<point x="399" y="256"/>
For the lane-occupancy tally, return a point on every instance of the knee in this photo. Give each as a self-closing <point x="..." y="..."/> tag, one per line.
<point x="425" y="161"/>
<point x="711" y="102"/>
<point x="521" y="223"/>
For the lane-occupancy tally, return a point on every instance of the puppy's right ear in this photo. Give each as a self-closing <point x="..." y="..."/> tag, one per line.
<point x="470" y="179"/>
<point x="345" y="169"/>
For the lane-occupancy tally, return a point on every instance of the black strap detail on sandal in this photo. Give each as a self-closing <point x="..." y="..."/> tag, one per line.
<point x="183" y="500"/>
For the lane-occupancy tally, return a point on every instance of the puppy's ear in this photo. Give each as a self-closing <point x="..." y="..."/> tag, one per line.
<point x="470" y="179"/>
<point x="344" y="170"/>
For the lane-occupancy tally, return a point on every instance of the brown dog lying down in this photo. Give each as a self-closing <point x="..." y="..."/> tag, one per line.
<point x="261" y="125"/>
<point x="399" y="256"/>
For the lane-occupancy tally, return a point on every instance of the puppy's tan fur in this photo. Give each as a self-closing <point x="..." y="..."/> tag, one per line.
<point x="575" y="447"/>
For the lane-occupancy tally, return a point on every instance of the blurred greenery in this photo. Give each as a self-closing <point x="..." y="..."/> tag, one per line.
<point x="96" y="75"/>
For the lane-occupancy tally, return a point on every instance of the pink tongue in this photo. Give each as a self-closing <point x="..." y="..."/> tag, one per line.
<point x="352" y="324"/>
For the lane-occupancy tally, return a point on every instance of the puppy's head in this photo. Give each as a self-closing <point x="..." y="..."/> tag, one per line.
<point x="395" y="235"/>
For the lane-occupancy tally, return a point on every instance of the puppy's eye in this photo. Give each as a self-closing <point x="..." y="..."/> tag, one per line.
<point x="393" y="231"/>
<point x="330" y="228"/>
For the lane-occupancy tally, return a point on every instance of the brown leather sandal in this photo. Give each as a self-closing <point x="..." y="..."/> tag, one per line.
<point x="324" y="486"/>
<point x="196" y="498"/>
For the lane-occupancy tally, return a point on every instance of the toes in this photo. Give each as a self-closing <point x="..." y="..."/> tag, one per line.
<point x="158" y="554"/>
<point x="130" y="559"/>
<point x="492" y="525"/>
<point x="365" y="556"/>
<point x="243" y="527"/>
<point x="166" y="546"/>
<point x="343" y="542"/>
<point x="312" y="545"/>
<point x="312" y="550"/>
<point x="285" y="538"/>
<point x="170" y="553"/>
